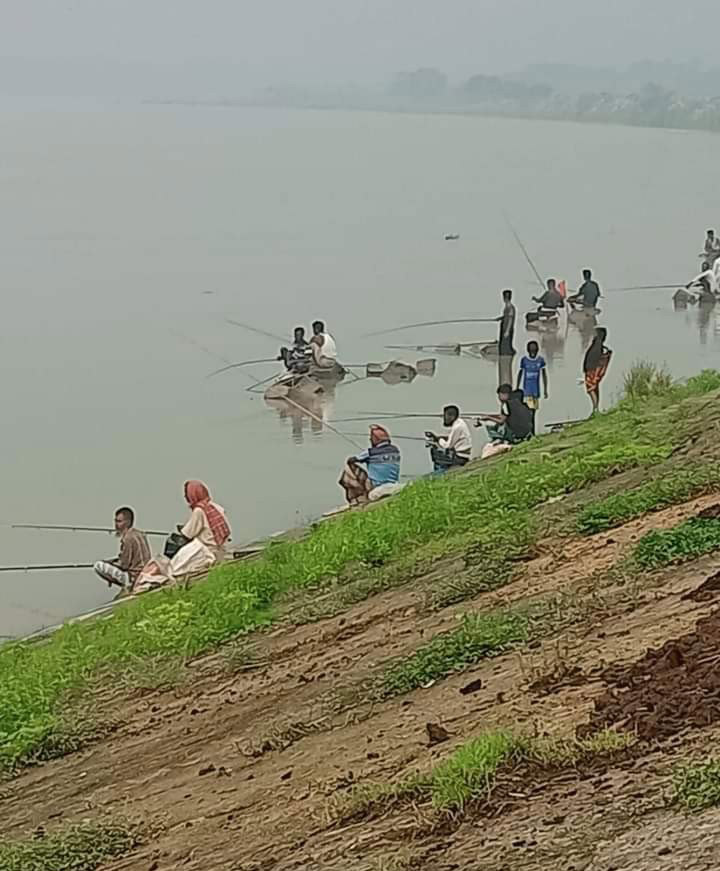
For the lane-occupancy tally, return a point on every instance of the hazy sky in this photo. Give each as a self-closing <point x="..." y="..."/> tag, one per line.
<point x="316" y="41"/>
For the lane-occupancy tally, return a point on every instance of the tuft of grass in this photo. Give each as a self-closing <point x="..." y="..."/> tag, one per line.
<point x="687" y="541"/>
<point x="652" y="496"/>
<point x="427" y="520"/>
<point x="84" y="847"/>
<point x="479" y="636"/>
<point x="645" y="379"/>
<point x="470" y="773"/>
<point x="697" y="786"/>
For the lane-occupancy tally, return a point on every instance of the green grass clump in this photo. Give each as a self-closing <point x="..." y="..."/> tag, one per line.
<point x="478" y="637"/>
<point x="687" y="541"/>
<point x="470" y="773"/>
<point x="656" y="494"/>
<point x="83" y="847"/>
<point x="696" y="787"/>
<point x="645" y="379"/>
<point x="428" y="519"/>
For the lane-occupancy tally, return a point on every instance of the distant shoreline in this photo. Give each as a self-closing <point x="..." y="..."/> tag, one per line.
<point x="425" y="109"/>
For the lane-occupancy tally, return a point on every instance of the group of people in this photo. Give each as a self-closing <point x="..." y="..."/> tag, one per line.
<point x="302" y="355"/>
<point x="198" y="544"/>
<point x="704" y="288"/>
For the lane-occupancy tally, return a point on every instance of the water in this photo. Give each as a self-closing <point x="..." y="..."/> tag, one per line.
<point x="129" y="231"/>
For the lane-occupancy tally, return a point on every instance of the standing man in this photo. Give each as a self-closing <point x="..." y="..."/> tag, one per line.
<point x="455" y="449"/>
<point x="712" y="247"/>
<point x="134" y="553"/>
<point x="323" y="345"/>
<point x="589" y="292"/>
<point x="506" y="348"/>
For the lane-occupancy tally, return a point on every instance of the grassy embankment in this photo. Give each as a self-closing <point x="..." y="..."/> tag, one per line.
<point x="493" y="509"/>
<point x="78" y="848"/>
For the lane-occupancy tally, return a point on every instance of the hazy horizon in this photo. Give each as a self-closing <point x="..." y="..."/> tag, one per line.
<point x="226" y="47"/>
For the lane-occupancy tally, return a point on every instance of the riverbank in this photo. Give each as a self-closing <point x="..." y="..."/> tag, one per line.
<point x="294" y="690"/>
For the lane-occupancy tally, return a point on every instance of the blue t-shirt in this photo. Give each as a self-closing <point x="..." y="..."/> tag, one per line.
<point x="531" y="368"/>
<point x="383" y="464"/>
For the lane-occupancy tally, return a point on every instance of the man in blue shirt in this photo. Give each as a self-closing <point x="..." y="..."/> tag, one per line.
<point x="532" y="368"/>
<point x="383" y="467"/>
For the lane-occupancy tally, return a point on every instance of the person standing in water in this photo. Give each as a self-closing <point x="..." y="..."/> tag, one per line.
<point x="506" y="348"/>
<point x="532" y="369"/>
<point x="595" y="366"/>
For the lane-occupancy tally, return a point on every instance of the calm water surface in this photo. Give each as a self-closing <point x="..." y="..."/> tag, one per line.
<point x="130" y="234"/>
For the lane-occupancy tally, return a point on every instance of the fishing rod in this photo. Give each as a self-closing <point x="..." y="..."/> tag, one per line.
<point x="62" y="528"/>
<point x="319" y="420"/>
<point x="395" y="436"/>
<point x="257" y="330"/>
<point x="450" y="347"/>
<point x="525" y="252"/>
<point x="646" y="287"/>
<point x="46" y="568"/>
<point x="243" y="363"/>
<point x="383" y="415"/>
<point x="210" y="352"/>
<point x="433" y="324"/>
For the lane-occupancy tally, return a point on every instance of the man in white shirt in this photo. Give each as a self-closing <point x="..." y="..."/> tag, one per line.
<point x="323" y="345"/>
<point x="454" y="449"/>
<point x="708" y="281"/>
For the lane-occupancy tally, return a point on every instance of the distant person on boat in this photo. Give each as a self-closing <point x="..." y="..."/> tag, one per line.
<point x="588" y="294"/>
<point x="549" y="304"/>
<point x="197" y="545"/>
<point x="323" y="347"/>
<point x="452" y="450"/>
<point x="515" y="423"/>
<point x="595" y="366"/>
<point x="298" y="357"/>
<point x="134" y="553"/>
<point x="532" y="369"/>
<point x="711" y="251"/>
<point x="707" y="282"/>
<point x="381" y="477"/>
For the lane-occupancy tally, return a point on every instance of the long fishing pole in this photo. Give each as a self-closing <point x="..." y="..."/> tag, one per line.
<point x="433" y="324"/>
<point x="210" y="352"/>
<point x="65" y="528"/>
<point x="384" y="415"/>
<point x="525" y="252"/>
<point x="646" y="287"/>
<point x="323" y="422"/>
<point x="46" y="568"/>
<point x="239" y="365"/>
<point x="405" y="438"/>
<point x="257" y="330"/>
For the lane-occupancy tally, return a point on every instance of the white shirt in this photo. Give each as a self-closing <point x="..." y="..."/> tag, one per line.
<point x="459" y="439"/>
<point x="198" y="527"/>
<point x="328" y="349"/>
<point x="712" y="275"/>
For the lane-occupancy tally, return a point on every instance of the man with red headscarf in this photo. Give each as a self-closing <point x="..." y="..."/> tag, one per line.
<point x="207" y="522"/>
<point x="383" y="468"/>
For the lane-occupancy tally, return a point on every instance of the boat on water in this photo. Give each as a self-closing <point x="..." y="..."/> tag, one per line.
<point x="301" y="385"/>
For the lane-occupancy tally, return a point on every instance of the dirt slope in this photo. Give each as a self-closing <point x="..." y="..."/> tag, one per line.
<point x="241" y="770"/>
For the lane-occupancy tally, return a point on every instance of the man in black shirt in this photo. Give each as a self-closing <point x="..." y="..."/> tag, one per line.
<point x="515" y="424"/>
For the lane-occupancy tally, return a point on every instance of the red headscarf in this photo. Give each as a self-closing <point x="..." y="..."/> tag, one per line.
<point x="198" y="496"/>
<point x="378" y="435"/>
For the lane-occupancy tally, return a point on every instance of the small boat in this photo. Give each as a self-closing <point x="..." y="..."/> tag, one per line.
<point x="298" y="386"/>
<point x="395" y="372"/>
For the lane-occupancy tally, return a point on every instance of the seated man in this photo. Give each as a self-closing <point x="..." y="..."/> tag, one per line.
<point x="707" y="282"/>
<point x="383" y="469"/>
<point x="515" y="423"/>
<point x="134" y="553"/>
<point x="456" y="448"/>
<point x="323" y="347"/>
<point x="549" y="302"/>
<point x="589" y="292"/>
<point x="298" y="357"/>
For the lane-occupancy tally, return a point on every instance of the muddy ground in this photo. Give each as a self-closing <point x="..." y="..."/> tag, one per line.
<point x="242" y="770"/>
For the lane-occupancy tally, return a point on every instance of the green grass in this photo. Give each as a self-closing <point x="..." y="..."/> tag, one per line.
<point x="656" y="494"/>
<point x="83" y="847"/>
<point x="427" y="520"/>
<point x="687" y="541"/>
<point x="645" y="379"/>
<point x="697" y="786"/>
<point x="470" y="773"/>
<point x="479" y="636"/>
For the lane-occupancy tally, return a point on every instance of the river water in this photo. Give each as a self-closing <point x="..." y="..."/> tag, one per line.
<point x="130" y="234"/>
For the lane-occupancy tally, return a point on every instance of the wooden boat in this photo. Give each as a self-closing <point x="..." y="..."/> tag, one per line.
<point x="297" y="387"/>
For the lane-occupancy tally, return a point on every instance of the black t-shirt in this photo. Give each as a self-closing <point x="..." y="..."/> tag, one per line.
<point x="519" y="417"/>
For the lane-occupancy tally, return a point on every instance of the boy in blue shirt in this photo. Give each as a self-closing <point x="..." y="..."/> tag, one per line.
<point x="532" y="368"/>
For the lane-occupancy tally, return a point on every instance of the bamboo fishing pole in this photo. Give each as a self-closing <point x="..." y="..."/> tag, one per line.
<point x="46" y="568"/>
<point x="323" y="422"/>
<point x="257" y="330"/>
<point x="646" y="287"/>
<point x="433" y="324"/>
<point x="239" y="365"/>
<point x="525" y="252"/>
<point x="64" y="528"/>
